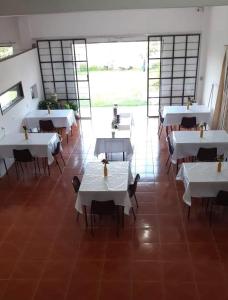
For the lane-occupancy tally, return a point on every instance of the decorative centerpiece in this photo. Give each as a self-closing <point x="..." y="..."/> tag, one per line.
<point x="189" y="102"/>
<point x="105" y="162"/>
<point x="201" y="130"/>
<point x="115" y="110"/>
<point x="48" y="108"/>
<point x="220" y="159"/>
<point x="25" y="132"/>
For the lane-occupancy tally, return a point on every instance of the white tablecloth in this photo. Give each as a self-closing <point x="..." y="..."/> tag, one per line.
<point x="126" y="121"/>
<point x="187" y="143"/>
<point x="39" y="144"/>
<point x="61" y="118"/>
<point x="173" y="114"/>
<point x="95" y="186"/>
<point x="113" y="145"/>
<point x="202" y="179"/>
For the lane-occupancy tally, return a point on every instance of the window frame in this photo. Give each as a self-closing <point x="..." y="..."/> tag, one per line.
<point x="17" y="99"/>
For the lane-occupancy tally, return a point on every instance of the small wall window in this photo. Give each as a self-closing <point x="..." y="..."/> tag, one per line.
<point x="10" y="97"/>
<point x="5" y="51"/>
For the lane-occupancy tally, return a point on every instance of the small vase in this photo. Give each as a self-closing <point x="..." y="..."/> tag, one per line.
<point x="49" y="110"/>
<point x="105" y="170"/>
<point x="201" y="132"/>
<point x="219" y="166"/>
<point x="188" y="104"/>
<point x="26" y="135"/>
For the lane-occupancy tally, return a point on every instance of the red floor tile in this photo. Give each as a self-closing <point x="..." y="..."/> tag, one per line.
<point x="47" y="254"/>
<point x="20" y="289"/>
<point x="145" y="290"/>
<point x="113" y="290"/>
<point x="51" y="289"/>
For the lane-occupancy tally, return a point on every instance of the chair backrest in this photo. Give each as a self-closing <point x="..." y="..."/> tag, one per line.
<point x="222" y="198"/>
<point x="46" y="125"/>
<point x="57" y="149"/>
<point x="188" y="122"/>
<point x="207" y="154"/>
<point x="170" y="146"/>
<point x="160" y="117"/>
<point x="76" y="183"/>
<point x="133" y="187"/>
<point x="103" y="207"/>
<point x="23" y="155"/>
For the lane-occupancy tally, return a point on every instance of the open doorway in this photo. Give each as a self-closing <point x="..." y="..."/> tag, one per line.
<point x="118" y="74"/>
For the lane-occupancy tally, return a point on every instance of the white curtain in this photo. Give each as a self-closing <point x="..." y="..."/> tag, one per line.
<point x="220" y="117"/>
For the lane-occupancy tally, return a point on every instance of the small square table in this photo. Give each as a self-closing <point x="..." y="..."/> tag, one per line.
<point x="95" y="186"/>
<point x="173" y="114"/>
<point x="39" y="144"/>
<point x="202" y="180"/>
<point x="187" y="143"/>
<point x="61" y="118"/>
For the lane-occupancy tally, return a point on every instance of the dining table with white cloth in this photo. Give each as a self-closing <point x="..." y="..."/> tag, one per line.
<point x="187" y="143"/>
<point x="61" y="118"/>
<point x="126" y="121"/>
<point x="40" y="144"/>
<point x="202" y="180"/>
<point x="173" y="114"/>
<point x="96" y="186"/>
<point x="114" y="141"/>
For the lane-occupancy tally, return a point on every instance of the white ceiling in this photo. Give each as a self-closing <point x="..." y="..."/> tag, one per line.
<point x="26" y="7"/>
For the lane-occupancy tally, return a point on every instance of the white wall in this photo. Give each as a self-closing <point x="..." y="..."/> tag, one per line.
<point x="217" y="38"/>
<point x="112" y="25"/>
<point x="116" y="23"/>
<point x="24" y="68"/>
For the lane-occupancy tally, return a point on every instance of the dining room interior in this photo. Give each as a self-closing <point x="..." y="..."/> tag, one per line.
<point x="103" y="196"/>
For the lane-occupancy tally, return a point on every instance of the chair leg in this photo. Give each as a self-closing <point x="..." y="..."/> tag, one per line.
<point x="136" y="201"/>
<point x="133" y="213"/>
<point x="62" y="159"/>
<point x="34" y="162"/>
<point x="189" y="210"/>
<point x="78" y="215"/>
<point x="38" y="165"/>
<point x="56" y="160"/>
<point x="159" y="135"/>
<point x="167" y="160"/>
<point x="85" y="214"/>
<point x="210" y="216"/>
<point x="5" y="166"/>
<point x="16" y="168"/>
<point x="177" y="167"/>
<point x="169" y="167"/>
<point x="91" y="223"/>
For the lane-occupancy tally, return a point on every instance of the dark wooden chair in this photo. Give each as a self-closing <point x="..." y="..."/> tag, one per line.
<point x="102" y="208"/>
<point x="23" y="156"/>
<point x="160" y="126"/>
<point x="47" y="126"/>
<point x="4" y="162"/>
<point x="220" y="200"/>
<point x="171" y="150"/>
<point x="207" y="154"/>
<point x="133" y="187"/>
<point x="55" y="154"/>
<point x="76" y="185"/>
<point x="188" y="123"/>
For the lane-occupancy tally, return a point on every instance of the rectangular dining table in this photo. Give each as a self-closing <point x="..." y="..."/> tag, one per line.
<point x="61" y="118"/>
<point x="187" y="143"/>
<point x="40" y="144"/>
<point x="202" y="180"/>
<point x="114" y="141"/>
<point x="95" y="186"/>
<point x="173" y="114"/>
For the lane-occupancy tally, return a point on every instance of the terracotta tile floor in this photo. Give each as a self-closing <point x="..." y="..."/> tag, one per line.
<point x="46" y="254"/>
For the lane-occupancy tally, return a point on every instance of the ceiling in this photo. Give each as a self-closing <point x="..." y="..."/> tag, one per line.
<point x="27" y="7"/>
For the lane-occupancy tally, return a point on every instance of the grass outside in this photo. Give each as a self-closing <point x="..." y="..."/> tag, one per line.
<point x="123" y="87"/>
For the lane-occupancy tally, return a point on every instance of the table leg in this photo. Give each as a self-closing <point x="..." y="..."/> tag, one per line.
<point x="85" y="214"/>
<point x="123" y="156"/>
<point x="167" y="130"/>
